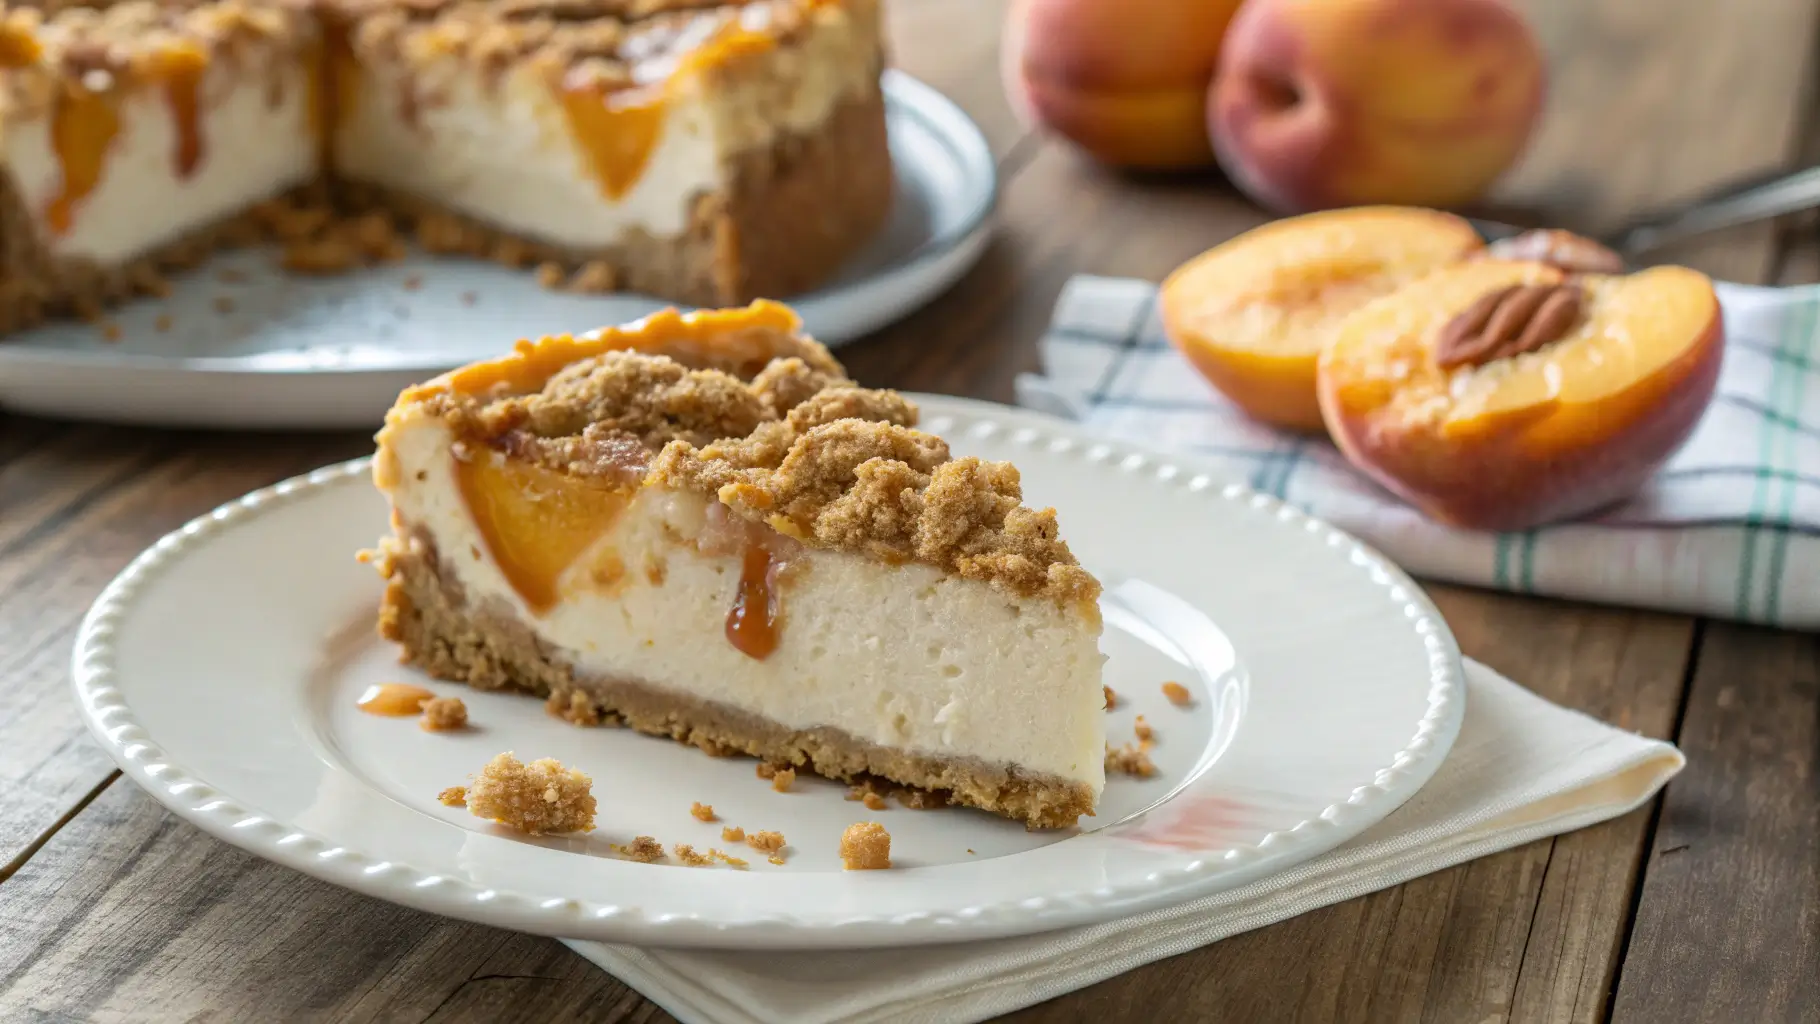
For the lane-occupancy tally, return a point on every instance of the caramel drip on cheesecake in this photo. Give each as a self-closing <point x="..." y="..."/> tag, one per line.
<point x="183" y="70"/>
<point x="393" y="699"/>
<point x="83" y="127"/>
<point x="752" y="621"/>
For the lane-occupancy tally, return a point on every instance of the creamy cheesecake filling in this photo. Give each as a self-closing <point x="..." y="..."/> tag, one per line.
<point x="108" y="176"/>
<point x="902" y="656"/>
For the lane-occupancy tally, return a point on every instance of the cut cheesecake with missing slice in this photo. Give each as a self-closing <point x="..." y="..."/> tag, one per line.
<point x="697" y="525"/>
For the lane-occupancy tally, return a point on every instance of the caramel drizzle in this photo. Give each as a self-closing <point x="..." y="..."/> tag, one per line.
<point x="83" y="128"/>
<point x="752" y="621"/>
<point x="394" y="700"/>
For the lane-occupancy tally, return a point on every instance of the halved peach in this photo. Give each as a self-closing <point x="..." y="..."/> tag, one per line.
<point x="1569" y="428"/>
<point x="535" y="521"/>
<point x="1253" y="314"/>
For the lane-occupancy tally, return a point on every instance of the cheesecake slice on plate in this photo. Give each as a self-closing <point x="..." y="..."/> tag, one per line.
<point x="697" y="526"/>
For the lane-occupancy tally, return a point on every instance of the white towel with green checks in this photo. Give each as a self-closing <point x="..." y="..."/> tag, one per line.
<point x="1730" y="528"/>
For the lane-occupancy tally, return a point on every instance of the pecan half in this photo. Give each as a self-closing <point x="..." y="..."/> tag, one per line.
<point x="1509" y="322"/>
<point x="1563" y="249"/>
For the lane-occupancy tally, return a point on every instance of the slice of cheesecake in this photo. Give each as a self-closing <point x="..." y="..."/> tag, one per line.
<point x="137" y="136"/>
<point x="698" y="526"/>
<point x="707" y="153"/>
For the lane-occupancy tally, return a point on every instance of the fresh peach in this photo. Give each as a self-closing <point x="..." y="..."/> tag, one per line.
<point x="1253" y="314"/>
<point x="1515" y="435"/>
<point x="1125" y="80"/>
<point x="1325" y="103"/>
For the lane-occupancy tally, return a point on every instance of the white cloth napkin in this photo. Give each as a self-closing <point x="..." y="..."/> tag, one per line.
<point x="1521" y="769"/>
<point x="1729" y="528"/>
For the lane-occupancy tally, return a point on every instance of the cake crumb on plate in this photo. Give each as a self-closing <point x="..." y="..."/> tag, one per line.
<point x="1129" y="760"/>
<point x="874" y="802"/>
<point x="1112" y="697"/>
<point x="701" y="811"/>
<point x="865" y="846"/>
<point x="686" y="853"/>
<point x="732" y="834"/>
<point x="536" y="798"/>
<point x="642" y="849"/>
<point x="441" y="714"/>
<point x="1144" y="732"/>
<point x="454" y="796"/>
<point x="765" y="842"/>
<point x="1177" y="694"/>
<point x="783" y="779"/>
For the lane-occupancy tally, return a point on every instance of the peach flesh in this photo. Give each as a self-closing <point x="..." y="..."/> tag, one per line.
<point x="1252" y="314"/>
<point x="1326" y="103"/>
<point x="1557" y="434"/>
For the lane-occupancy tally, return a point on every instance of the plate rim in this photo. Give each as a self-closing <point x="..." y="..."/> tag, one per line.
<point x="904" y="94"/>
<point x="94" y="667"/>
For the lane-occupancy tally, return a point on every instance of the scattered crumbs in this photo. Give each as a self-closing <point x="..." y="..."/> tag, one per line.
<point x="643" y="849"/>
<point x="1144" y="732"/>
<point x="874" y="802"/>
<point x="413" y="283"/>
<point x="164" y="322"/>
<point x="1129" y="760"/>
<point x="728" y="859"/>
<point x="231" y="275"/>
<point x="454" y="796"/>
<point x="969" y="849"/>
<point x="784" y="778"/>
<point x="1112" y="698"/>
<point x="865" y="846"/>
<point x="1177" y="694"/>
<point x="701" y="811"/>
<point x="732" y="834"/>
<point x="861" y="790"/>
<point x="469" y="298"/>
<point x="775" y="860"/>
<point x="686" y="853"/>
<point x="110" y="331"/>
<point x="539" y="797"/>
<point x="441" y="714"/>
<point x="224" y="304"/>
<point x="765" y="842"/>
<point x="766" y="769"/>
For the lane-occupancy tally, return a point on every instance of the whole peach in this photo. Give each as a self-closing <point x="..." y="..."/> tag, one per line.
<point x="1326" y="103"/>
<point x="1125" y="80"/>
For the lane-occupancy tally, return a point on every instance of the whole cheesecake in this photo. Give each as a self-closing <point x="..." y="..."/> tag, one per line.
<point x="705" y="153"/>
<point x="698" y="526"/>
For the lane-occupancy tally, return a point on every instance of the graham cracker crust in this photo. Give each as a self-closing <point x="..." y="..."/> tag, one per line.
<point x="428" y="615"/>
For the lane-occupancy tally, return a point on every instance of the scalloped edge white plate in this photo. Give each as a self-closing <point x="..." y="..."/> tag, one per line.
<point x="333" y="352"/>
<point x="1328" y="692"/>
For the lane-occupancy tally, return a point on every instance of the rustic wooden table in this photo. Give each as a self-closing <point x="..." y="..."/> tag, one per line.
<point x="1703" y="906"/>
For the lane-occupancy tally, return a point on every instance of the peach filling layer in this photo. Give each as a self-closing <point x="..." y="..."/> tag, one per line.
<point x="535" y="522"/>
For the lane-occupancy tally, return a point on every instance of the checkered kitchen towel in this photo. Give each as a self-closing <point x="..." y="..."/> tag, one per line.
<point x="1730" y="528"/>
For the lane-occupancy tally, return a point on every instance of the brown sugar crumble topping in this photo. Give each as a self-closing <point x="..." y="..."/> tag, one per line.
<point x="642" y="849"/>
<point x="454" y="796"/>
<point x="1177" y="694"/>
<point x="442" y="714"/>
<point x="774" y="429"/>
<point x="865" y="846"/>
<point x="535" y="798"/>
<point x="701" y="811"/>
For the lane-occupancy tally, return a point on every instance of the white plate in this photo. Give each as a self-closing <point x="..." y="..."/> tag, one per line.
<point x="221" y="671"/>
<point x="317" y="353"/>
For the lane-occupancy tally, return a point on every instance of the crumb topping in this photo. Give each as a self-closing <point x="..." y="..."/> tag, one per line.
<point x="765" y="842"/>
<point x="441" y="714"/>
<point x="536" y="798"/>
<point x="764" y="419"/>
<point x="865" y="846"/>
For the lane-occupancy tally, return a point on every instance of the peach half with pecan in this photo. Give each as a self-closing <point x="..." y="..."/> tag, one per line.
<point x="1253" y="313"/>
<point x="1503" y="395"/>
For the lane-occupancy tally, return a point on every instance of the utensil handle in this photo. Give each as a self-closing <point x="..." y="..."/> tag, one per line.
<point x="1746" y="201"/>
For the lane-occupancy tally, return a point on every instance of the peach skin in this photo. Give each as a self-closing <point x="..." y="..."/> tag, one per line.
<point x="1125" y="80"/>
<point x="1326" y="103"/>
<point x="1504" y="395"/>
<point x="1253" y="314"/>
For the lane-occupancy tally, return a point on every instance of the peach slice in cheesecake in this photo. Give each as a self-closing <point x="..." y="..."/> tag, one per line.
<point x="1501" y="394"/>
<point x="1253" y="314"/>
<point x="535" y="521"/>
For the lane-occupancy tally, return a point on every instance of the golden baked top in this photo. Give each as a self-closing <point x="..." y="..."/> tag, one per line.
<point x="740" y="405"/>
